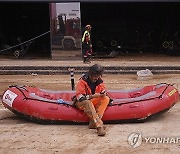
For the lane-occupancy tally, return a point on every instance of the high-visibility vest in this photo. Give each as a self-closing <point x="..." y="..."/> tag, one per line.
<point x="84" y="35"/>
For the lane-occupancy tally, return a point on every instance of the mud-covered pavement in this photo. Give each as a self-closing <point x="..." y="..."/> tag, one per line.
<point x="22" y="136"/>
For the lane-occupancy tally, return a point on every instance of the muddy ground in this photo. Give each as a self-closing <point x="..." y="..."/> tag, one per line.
<point x="19" y="136"/>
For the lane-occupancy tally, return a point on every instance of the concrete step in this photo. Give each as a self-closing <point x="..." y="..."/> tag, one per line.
<point x="55" y="70"/>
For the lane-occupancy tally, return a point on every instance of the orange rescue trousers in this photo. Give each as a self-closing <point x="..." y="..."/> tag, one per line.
<point x="94" y="109"/>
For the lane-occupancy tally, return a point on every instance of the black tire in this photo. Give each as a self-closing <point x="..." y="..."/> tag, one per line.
<point x="171" y="44"/>
<point x="165" y="44"/>
<point x="17" y="53"/>
<point x="99" y="44"/>
<point x="68" y="44"/>
<point x="113" y="43"/>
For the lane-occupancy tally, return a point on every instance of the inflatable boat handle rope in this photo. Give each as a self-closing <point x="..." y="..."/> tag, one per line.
<point x="113" y="104"/>
<point x="159" y="97"/>
<point x="26" y="98"/>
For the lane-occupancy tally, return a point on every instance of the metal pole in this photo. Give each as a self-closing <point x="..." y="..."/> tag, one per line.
<point x="71" y="70"/>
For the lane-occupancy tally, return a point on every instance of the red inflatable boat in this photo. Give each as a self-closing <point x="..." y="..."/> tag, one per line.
<point x="42" y="105"/>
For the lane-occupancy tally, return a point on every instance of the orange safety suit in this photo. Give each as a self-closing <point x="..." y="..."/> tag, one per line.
<point x="95" y="107"/>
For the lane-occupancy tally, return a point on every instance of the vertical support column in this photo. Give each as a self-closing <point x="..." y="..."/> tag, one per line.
<point x="71" y="70"/>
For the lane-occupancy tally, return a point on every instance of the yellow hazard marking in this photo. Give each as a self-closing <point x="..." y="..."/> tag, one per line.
<point x="172" y="92"/>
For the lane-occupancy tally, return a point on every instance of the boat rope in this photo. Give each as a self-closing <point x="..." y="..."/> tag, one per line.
<point x="112" y="104"/>
<point x="25" y="42"/>
<point x="62" y="103"/>
<point x="27" y="98"/>
<point x="158" y="97"/>
<point x="19" y="88"/>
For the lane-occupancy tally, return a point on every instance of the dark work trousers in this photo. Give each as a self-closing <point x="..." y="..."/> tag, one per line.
<point x="86" y="52"/>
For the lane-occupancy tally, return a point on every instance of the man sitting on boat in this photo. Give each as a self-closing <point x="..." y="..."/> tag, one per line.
<point x="91" y="97"/>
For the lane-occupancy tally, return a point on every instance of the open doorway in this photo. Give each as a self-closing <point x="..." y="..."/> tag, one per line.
<point x="66" y="31"/>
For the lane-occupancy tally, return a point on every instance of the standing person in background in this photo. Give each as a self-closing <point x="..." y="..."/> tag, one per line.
<point x="86" y="45"/>
<point x="91" y="97"/>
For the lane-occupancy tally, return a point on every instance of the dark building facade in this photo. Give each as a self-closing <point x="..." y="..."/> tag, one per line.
<point x="54" y="29"/>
